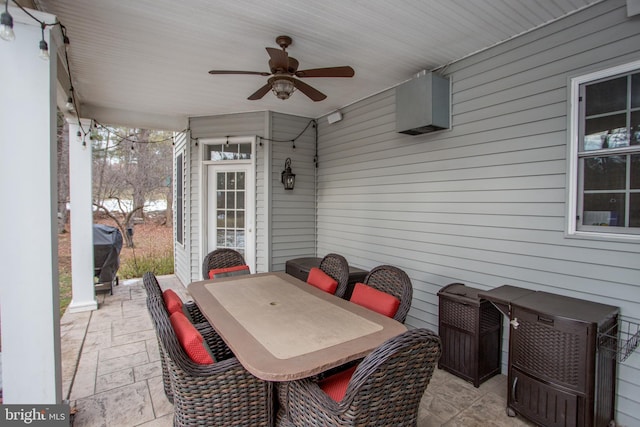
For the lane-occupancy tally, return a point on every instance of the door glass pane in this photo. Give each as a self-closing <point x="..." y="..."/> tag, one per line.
<point x="605" y="173"/>
<point x="231" y="213"/>
<point x="606" y="97"/>
<point x="240" y="220"/>
<point x="604" y="209"/>
<point x="220" y="200"/>
<point x="240" y="199"/>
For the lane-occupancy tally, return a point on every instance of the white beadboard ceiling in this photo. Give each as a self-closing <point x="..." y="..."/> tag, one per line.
<point x="151" y="57"/>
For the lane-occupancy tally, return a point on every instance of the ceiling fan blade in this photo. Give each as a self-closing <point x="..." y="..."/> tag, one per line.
<point x="311" y="92"/>
<point x="260" y="92"/>
<point x="327" y="72"/>
<point x="279" y="59"/>
<point x="257" y="73"/>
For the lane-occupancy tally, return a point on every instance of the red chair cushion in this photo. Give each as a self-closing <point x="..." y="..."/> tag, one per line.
<point x="190" y="339"/>
<point x="172" y="301"/>
<point x="237" y="270"/>
<point x="322" y="280"/>
<point x="336" y="385"/>
<point x="375" y="300"/>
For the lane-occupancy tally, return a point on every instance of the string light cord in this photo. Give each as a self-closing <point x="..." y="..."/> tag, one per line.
<point x="293" y="141"/>
<point x="44" y="47"/>
<point x="128" y="139"/>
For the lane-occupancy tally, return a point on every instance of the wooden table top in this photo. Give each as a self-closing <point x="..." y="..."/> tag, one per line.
<point x="281" y="328"/>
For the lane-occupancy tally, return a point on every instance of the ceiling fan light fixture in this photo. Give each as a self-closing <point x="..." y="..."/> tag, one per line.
<point x="282" y="87"/>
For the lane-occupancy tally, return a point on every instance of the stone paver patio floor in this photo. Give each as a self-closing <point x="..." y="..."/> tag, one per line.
<point x="112" y="374"/>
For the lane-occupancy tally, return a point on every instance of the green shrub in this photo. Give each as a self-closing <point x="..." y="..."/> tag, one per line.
<point x="158" y="263"/>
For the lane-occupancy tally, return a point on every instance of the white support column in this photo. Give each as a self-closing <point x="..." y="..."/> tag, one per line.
<point x="29" y="292"/>
<point x="80" y="166"/>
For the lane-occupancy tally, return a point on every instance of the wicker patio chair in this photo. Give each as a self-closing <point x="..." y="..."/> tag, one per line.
<point x="337" y="267"/>
<point x="384" y="390"/>
<point x="393" y="281"/>
<point x="218" y="394"/>
<point x="153" y="288"/>
<point x="221" y="258"/>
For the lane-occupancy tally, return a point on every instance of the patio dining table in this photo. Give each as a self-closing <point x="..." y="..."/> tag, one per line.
<point x="281" y="328"/>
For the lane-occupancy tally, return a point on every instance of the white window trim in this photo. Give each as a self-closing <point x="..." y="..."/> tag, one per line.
<point x="572" y="155"/>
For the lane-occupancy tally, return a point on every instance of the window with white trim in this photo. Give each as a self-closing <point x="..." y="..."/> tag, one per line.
<point x="179" y="201"/>
<point x="606" y="150"/>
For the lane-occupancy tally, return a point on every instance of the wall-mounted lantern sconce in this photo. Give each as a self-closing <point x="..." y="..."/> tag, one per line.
<point x="287" y="178"/>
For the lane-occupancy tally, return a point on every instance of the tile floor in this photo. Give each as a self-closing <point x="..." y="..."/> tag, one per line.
<point x="112" y="374"/>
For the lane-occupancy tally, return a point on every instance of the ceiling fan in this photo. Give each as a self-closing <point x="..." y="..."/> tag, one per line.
<point x="283" y="72"/>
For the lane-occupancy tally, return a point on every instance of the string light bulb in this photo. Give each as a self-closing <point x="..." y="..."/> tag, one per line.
<point x="6" y="24"/>
<point x="44" y="47"/>
<point x="69" y="105"/>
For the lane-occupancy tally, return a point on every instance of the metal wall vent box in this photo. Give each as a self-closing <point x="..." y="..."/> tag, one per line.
<point x="422" y="104"/>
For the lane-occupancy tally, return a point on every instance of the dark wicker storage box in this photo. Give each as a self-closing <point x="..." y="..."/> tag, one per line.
<point x="471" y="332"/>
<point x="299" y="267"/>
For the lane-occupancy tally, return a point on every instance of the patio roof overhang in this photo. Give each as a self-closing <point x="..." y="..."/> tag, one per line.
<point x="146" y="63"/>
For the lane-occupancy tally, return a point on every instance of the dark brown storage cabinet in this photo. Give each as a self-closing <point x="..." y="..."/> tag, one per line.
<point x="470" y="329"/>
<point x="299" y="267"/>
<point x="559" y="374"/>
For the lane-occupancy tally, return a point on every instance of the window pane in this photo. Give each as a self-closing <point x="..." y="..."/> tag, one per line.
<point x="231" y="200"/>
<point x="220" y="219"/>
<point x="635" y="171"/>
<point x="605" y="97"/>
<point x="634" y="210"/>
<point x="245" y="151"/>
<point x="605" y="173"/>
<point x="221" y="152"/>
<point x="220" y="239"/>
<point x="606" y="132"/>
<point x="635" y="128"/>
<point x="220" y="179"/>
<point x="635" y="90"/>
<point x="605" y="209"/>
<point x="240" y="180"/>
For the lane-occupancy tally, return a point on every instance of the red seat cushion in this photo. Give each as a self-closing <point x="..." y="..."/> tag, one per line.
<point x="375" y="300"/>
<point x="336" y="385"/>
<point x="190" y="339"/>
<point x="172" y="301"/>
<point x="322" y="280"/>
<point x="237" y="270"/>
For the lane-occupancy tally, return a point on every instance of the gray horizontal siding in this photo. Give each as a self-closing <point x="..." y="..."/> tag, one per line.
<point x="293" y="212"/>
<point x="484" y="203"/>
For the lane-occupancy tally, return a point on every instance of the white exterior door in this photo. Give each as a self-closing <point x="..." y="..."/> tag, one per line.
<point x="229" y="214"/>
